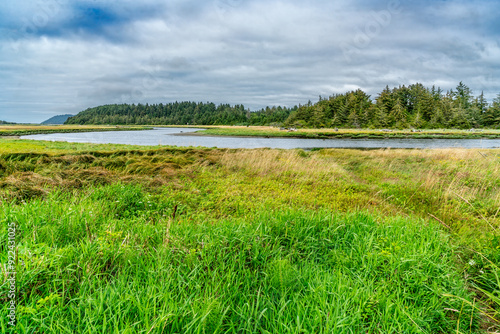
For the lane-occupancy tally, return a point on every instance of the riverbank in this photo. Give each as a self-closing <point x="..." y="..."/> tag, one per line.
<point x="263" y="131"/>
<point x="214" y="240"/>
<point x="182" y="137"/>
<point x="266" y="131"/>
<point x="24" y="130"/>
<point x="352" y="133"/>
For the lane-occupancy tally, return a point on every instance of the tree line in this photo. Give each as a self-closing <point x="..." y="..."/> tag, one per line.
<point x="181" y="113"/>
<point x="413" y="106"/>
<point x="401" y="107"/>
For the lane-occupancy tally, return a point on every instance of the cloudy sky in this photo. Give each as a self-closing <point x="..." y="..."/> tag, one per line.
<point x="63" y="56"/>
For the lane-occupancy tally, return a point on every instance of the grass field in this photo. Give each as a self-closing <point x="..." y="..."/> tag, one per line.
<point x="23" y="130"/>
<point x="121" y="239"/>
<point x="267" y="131"/>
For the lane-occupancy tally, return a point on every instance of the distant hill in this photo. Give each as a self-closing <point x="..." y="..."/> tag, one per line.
<point x="4" y="122"/>
<point x="60" y="119"/>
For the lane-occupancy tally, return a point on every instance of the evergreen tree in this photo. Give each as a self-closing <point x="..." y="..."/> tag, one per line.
<point x="398" y="115"/>
<point x="463" y="96"/>
<point x="418" y="121"/>
<point x="382" y="117"/>
<point x="353" y="119"/>
<point x="460" y="119"/>
<point x="492" y="115"/>
<point x="481" y="103"/>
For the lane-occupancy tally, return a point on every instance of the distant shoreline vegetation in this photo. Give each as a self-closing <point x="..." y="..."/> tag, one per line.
<point x="413" y="106"/>
<point x="25" y="130"/>
<point x="180" y="113"/>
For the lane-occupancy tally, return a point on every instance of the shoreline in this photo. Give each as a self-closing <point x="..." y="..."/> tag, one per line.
<point x="12" y="132"/>
<point x="202" y="133"/>
<point x="267" y="132"/>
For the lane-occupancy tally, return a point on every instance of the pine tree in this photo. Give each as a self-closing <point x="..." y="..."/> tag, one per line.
<point x="353" y="119"/>
<point x="418" y="121"/>
<point x="460" y="119"/>
<point x="398" y="115"/>
<point x="481" y="103"/>
<point x="463" y="96"/>
<point x="382" y="117"/>
<point x="492" y="115"/>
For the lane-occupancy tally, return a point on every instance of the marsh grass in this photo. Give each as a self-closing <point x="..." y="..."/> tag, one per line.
<point x="122" y="239"/>
<point x="267" y="131"/>
<point x="23" y="130"/>
<point x="282" y="163"/>
<point x="99" y="263"/>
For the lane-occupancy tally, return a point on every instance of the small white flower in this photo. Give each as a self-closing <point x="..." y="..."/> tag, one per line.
<point x="472" y="262"/>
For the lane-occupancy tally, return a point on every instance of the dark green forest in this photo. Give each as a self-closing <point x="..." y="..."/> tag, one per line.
<point x="402" y="107"/>
<point x="181" y="113"/>
<point x="413" y="106"/>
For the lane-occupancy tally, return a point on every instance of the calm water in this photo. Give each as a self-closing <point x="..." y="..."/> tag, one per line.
<point x="181" y="137"/>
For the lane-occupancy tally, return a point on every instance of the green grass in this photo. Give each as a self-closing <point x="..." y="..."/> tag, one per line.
<point x="117" y="239"/>
<point x="266" y="131"/>
<point x="24" y="146"/>
<point x="114" y="260"/>
<point x="23" y="130"/>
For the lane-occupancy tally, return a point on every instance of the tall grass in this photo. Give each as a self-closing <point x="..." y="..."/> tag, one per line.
<point x="117" y="239"/>
<point x="347" y="133"/>
<point x="104" y="262"/>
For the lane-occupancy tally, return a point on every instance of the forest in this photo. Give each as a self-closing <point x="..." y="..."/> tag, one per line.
<point x="413" y="106"/>
<point x="181" y="113"/>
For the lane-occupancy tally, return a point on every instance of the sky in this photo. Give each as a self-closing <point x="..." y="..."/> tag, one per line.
<point x="64" y="56"/>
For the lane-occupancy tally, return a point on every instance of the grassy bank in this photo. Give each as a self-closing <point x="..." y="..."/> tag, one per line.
<point x="266" y="131"/>
<point x="24" y="130"/>
<point x="263" y="131"/>
<point x="187" y="240"/>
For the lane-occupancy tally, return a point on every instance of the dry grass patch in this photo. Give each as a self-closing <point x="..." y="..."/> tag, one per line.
<point x="263" y="162"/>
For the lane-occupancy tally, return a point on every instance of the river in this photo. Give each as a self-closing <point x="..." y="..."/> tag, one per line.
<point x="181" y="137"/>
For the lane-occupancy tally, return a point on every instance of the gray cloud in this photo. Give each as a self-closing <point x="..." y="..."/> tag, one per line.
<point x="234" y="51"/>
